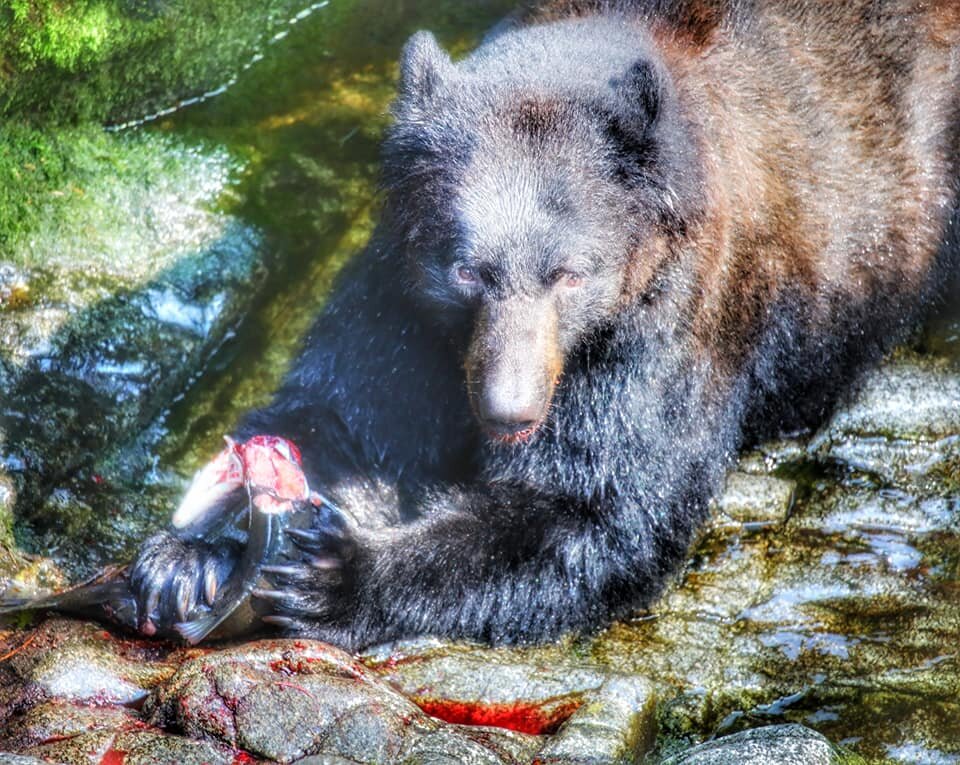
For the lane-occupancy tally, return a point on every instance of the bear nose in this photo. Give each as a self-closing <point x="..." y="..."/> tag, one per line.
<point x="505" y="414"/>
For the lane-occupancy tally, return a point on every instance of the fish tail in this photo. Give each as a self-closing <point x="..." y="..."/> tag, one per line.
<point x="111" y="601"/>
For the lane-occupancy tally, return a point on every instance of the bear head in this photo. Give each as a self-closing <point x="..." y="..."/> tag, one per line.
<point x="521" y="184"/>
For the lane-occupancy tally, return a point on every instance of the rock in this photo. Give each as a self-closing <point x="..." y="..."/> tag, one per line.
<point x="470" y="684"/>
<point x="332" y="706"/>
<point x="861" y="511"/>
<point x="16" y="759"/>
<point x="69" y="691"/>
<point x="138" y="747"/>
<point x="770" y="456"/>
<point x="781" y="744"/>
<point x="598" y="716"/>
<point x="750" y="498"/>
<point x="65" y="732"/>
<point x="78" y="662"/>
<point x="616" y="725"/>
<point x="902" y="425"/>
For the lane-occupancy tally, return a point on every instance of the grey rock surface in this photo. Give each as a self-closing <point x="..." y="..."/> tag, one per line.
<point x="902" y="424"/>
<point x="780" y="744"/>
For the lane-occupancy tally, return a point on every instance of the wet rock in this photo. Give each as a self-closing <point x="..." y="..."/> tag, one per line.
<point x="769" y="456"/>
<point x="60" y="719"/>
<point x="835" y="618"/>
<point x="616" y="725"/>
<point x="17" y="759"/>
<point x="125" y="292"/>
<point x="478" y="686"/>
<point x="78" y="662"/>
<point x="781" y="744"/>
<point x="141" y="747"/>
<point x="751" y="498"/>
<point x="902" y="425"/>
<point x="858" y="510"/>
<point x="71" y="692"/>
<point x="65" y="732"/>
<point x="331" y="704"/>
<point x="598" y="716"/>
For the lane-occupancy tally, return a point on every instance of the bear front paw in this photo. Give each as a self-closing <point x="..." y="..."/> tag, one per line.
<point x="172" y="576"/>
<point x="313" y="583"/>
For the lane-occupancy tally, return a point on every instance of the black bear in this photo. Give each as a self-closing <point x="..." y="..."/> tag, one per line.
<point x="617" y="242"/>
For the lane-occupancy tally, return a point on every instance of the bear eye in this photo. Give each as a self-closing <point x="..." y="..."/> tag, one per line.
<point x="467" y="275"/>
<point x="566" y="278"/>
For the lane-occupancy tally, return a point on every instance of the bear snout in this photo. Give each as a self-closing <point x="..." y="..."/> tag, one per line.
<point x="512" y="368"/>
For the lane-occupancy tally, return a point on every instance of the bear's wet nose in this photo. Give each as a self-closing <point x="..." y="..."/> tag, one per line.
<point x="504" y="414"/>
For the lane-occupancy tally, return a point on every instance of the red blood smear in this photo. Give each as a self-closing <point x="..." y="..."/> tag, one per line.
<point x="242" y="758"/>
<point x="519" y="716"/>
<point x="113" y="757"/>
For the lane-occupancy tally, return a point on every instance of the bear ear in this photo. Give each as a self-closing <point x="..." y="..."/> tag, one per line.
<point x="636" y="108"/>
<point x="423" y="67"/>
<point x="640" y="96"/>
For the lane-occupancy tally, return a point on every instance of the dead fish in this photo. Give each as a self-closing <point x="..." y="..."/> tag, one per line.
<point x="269" y="469"/>
<point x="264" y="542"/>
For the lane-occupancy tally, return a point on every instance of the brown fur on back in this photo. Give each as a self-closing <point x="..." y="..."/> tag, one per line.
<point x="830" y="136"/>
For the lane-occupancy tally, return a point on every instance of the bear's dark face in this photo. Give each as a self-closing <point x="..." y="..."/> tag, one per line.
<point x="517" y="204"/>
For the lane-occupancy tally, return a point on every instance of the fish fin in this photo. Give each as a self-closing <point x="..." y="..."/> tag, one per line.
<point x="197" y="629"/>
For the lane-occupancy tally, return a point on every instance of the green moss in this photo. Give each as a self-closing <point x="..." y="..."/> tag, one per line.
<point x="113" y="60"/>
<point x="39" y="173"/>
<point x="67" y="36"/>
<point x="76" y="197"/>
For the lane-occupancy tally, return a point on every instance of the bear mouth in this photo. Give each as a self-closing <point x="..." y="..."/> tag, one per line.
<point x="515" y="438"/>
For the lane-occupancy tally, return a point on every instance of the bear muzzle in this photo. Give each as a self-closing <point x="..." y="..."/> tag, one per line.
<point x="512" y="369"/>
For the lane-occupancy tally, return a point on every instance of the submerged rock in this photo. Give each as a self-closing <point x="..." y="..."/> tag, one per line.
<point x="122" y="294"/>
